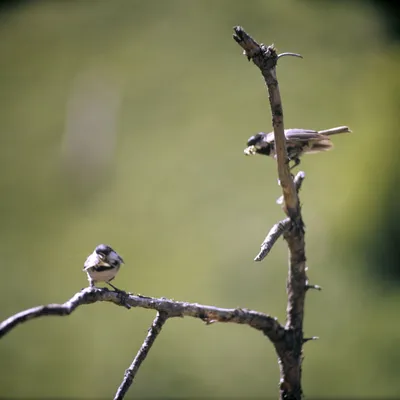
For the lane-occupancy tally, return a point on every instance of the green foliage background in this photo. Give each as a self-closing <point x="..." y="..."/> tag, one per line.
<point x="167" y="185"/>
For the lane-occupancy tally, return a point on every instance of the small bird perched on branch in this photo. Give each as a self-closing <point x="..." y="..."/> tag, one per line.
<point x="298" y="142"/>
<point x="102" y="265"/>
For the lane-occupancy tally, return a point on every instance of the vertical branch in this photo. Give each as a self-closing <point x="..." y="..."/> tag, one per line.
<point x="290" y="349"/>
<point x="289" y="192"/>
<point x="278" y="229"/>
<point x="130" y="373"/>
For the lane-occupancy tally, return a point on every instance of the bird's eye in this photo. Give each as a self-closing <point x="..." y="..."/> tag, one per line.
<point x="101" y="256"/>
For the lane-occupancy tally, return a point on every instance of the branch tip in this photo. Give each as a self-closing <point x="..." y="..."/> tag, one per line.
<point x="305" y="340"/>
<point x="316" y="287"/>
<point x="289" y="54"/>
<point x="249" y="45"/>
<point x="273" y="235"/>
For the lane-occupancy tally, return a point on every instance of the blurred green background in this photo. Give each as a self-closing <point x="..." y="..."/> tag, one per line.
<point x="125" y="122"/>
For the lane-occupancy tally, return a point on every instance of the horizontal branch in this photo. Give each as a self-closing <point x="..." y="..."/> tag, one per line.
<point x="262" y="322"/>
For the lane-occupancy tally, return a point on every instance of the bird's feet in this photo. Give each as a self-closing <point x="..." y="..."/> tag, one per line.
<point x="296" y="163"/>
<point x="115" y="288"/>
<point x="122" y="295"/>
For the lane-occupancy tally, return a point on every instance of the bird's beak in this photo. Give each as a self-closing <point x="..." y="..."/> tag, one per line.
<point x="121" y="260"/>
<point x="101" y="262"/>
<point x="250" y="151"/>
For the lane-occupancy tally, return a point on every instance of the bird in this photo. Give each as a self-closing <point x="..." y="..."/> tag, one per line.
<point x="103" y="265"/>
<point x="298" y="142"/>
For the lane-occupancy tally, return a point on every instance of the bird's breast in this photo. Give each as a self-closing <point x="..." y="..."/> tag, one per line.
<point x="102" y="274"/>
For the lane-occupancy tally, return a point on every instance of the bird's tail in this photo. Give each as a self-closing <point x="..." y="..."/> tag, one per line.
<point x="334" y="131"/>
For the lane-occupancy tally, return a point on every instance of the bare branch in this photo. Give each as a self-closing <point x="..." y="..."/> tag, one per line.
<point x="298" y="181"/>
<point x="266" y="59"/>
<point x="289" y="54"/>
<point x="262" y="322"/>
<point x="290" y="352"/>
<point x="278" y="229"/>
<point x="273" y="235"/>
<point x="305" y="340"/>
<point x="316" y="287"/>
<point x="141" y="355"/>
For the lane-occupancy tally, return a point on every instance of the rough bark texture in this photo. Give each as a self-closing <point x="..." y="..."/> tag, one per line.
<point x="289" y="349"/>
<point x="141" y="355"/>
<point x="259" y="321"/>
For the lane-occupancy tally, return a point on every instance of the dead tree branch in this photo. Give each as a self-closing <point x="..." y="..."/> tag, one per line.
<point x="262" y="322"/>
<point x="273" y="235"/>
<point x="290" y="350"/>
<point x="279" y="228"/>
<point x="298" y="181"/>
<point x="130" y="373"/>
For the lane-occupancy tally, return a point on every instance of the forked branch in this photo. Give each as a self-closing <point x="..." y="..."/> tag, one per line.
<point x="289" y="351"/>
<point x="279" y="228"/>
<point x="262" y="322"/>
<point x="266" y="58"/>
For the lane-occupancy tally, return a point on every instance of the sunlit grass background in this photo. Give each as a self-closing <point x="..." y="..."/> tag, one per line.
<point x="124" y="123"/>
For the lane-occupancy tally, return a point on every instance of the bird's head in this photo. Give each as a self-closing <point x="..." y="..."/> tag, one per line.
<point x="108" y="256"/>
<point x="257" y="144"/>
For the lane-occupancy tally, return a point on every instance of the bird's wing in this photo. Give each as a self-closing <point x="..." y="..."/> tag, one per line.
<point x="295" y="134"/>
<point x="303" y="135"/>
<point x="91" y="261"/>
<point x="269" y="138"/>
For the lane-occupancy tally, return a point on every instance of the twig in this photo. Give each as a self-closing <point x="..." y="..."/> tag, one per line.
<point x="305" y="340"/>
<point x="316" y="287"/>
<point x="278" y="229"/>
<point x="298" y="181"/>
<point x="141" y="355"/>
<point x="266" y="59"/>
<point x="273" y="235"/>
<point x="290" y="54"/>
<point x="289" y="352"/>
<point x="262" y="322"/>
